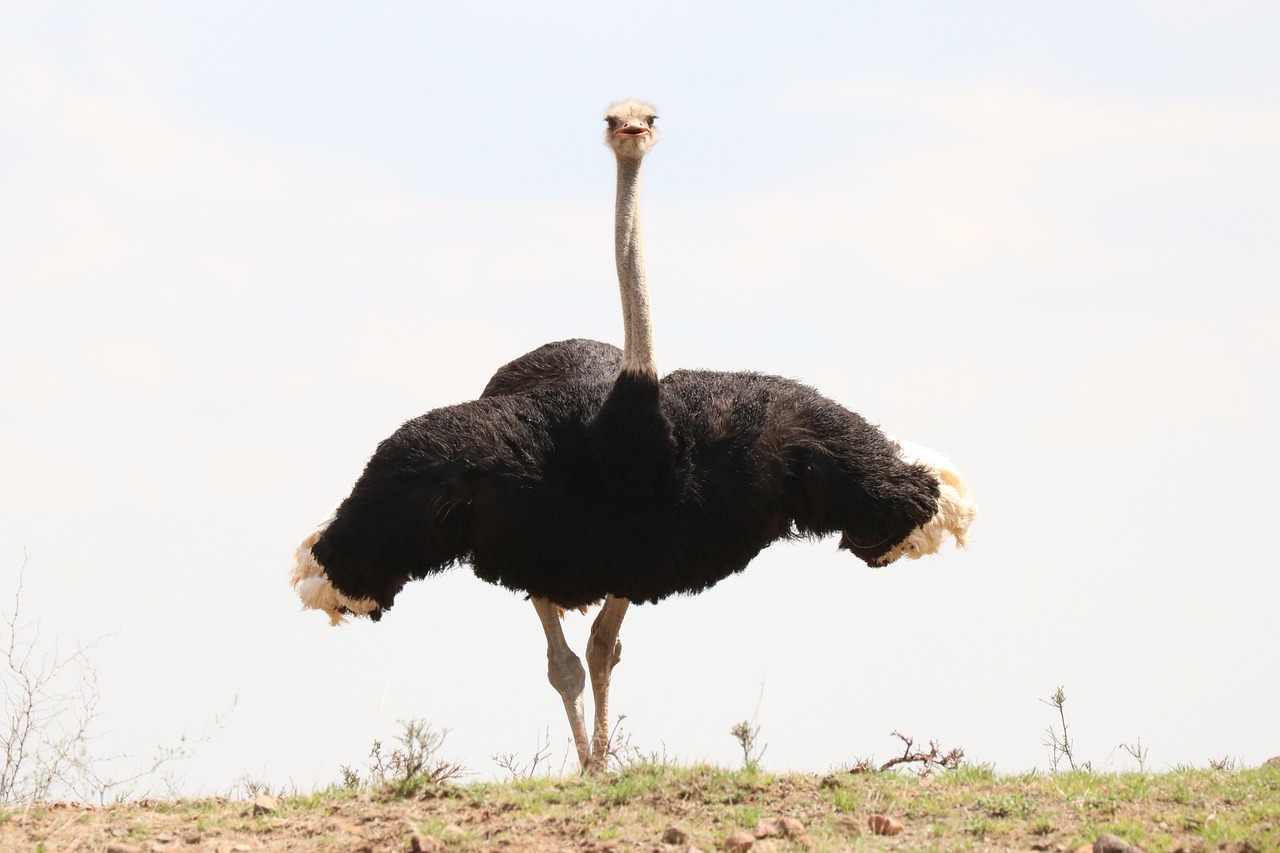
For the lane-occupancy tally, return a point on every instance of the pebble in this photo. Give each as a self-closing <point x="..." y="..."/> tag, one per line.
<point x="883" y="825"/>
<point x="264" y="805"/>
<point x="675" y="835"/>
<point x="425" y="843"/>
<point x="1108" y="843"/>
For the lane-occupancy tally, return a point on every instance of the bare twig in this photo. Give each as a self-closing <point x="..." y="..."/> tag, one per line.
<point x="509" y="761"/>
<point x="50" y="700"/>
<point x="413" y="764"/>
<point x="1060" y="744"/>
<point x="747" y="733"/>
<point x="50" y="705"/>
<point x="928" y="761"/>
<point x="1139" y="752"/>
<point x="621" y="751"/>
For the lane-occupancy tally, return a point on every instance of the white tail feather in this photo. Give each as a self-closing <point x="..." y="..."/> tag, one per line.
<point x="956" y="508"/>
<point x="315" y="589"/>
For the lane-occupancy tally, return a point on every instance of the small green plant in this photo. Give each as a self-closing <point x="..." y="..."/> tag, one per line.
<point x="845" y="800"/>
<point x="350" y="778"/>
<point x="1042" y="826"/>
<point x="1098" y="802"/>
<point x="1016" y="805"/>
<point x="749" y="815"/>
<point x="979" y="827"/>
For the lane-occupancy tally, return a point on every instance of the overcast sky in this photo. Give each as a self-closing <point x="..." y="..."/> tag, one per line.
<point x="240" y="243"/>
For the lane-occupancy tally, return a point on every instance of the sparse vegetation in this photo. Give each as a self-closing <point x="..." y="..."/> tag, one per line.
<point x="518" y="768"/>
<point x="1139" y="753"/>
<point x="1059" y="742"/>
<point x="47" y="720"/>
<point x="410" y="767"/>
<point x="50" y="698"/>
<point x="966" y="808"/>
<point x="925" y="762"/>
<point x="410" y="789"/>
<point x="747" y="734"/>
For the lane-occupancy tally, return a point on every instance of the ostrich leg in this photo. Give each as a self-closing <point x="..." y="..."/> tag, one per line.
<point x="564" y="671"/>
<point x="604" y="650"/>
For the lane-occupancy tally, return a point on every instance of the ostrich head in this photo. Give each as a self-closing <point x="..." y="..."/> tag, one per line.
<point x="956" y="508"/>
<point x="631" y="132"/>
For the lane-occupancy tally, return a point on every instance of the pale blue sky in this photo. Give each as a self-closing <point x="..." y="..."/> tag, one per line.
<point x="240" y="243"/>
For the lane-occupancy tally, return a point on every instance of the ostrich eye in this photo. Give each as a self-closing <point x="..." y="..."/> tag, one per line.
<point x="612" y="122"/>
<point x="653" y="120"/>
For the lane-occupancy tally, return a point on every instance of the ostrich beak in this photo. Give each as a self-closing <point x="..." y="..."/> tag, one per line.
<point x="631" y="130"/>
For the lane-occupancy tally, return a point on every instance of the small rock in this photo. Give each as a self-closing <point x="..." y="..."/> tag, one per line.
<point x="883" y="825"/>
<point x="739" y="842"/>
<point x="123" y="848"/>
<point x="1273" y="762"/>
<point x="1108" y="843"/>
<point x="425" y="843"/>
<point x="775" y="827"/>
<point x="675" y="835"/>
<point x="264" y="804"/>
<point x="791" y="828"/>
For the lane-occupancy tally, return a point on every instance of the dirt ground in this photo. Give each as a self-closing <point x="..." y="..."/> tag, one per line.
<point x="695" y="808"/>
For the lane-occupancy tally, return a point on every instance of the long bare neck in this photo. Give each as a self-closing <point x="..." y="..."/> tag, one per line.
<point x="637" y="348"/>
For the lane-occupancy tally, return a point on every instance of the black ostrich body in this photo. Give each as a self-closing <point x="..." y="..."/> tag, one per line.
<point x="555" y="366"/>
<point x="542" y="493"/>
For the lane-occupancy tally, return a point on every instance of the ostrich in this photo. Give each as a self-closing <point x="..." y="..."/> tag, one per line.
<point x="581" y="477"/>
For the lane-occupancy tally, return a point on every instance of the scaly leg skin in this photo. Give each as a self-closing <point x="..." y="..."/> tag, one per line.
<point x="604" y="650"/>
<point x="564" y="671"/>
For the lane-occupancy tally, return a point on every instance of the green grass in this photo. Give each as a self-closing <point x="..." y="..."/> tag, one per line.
<point x="970" y="808"/>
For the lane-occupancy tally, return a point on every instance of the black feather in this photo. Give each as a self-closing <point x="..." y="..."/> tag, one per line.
<point x="579" y="488"/>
